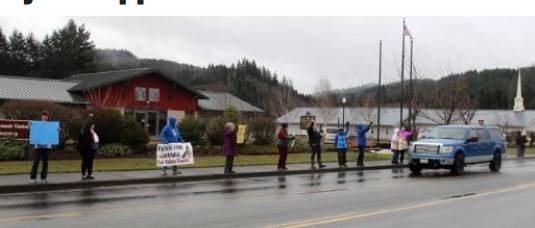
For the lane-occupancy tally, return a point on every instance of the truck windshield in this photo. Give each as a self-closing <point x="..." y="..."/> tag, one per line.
<point x="445" y="133"/>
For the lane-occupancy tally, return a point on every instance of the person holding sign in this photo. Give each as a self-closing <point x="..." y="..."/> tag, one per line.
<point x="340" y="141"/>
<point x="170" y="134"/>
<point x="314" y="140"/>
<point x="88" y="144"/>
<point x="229" y="146"/>
<point x="282" y="145"/>
<point x="42" y="152"/>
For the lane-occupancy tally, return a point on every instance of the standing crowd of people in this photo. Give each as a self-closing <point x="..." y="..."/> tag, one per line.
<point x="88" y="145"/>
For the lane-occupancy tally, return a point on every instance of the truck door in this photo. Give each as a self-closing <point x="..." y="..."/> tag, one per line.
<point x="484" y="140"/>
<point x="472" y="149"/>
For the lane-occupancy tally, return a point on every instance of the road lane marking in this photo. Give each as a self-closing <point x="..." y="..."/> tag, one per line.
<point x="359" y="215"/>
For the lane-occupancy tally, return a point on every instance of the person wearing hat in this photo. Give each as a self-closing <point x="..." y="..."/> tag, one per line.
<point x="41" y="153"/>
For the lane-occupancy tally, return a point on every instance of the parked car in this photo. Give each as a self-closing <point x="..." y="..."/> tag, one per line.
<point x="456" y="146"/>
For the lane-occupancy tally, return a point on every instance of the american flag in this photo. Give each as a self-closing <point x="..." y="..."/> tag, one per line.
<point x="406" y="32"/>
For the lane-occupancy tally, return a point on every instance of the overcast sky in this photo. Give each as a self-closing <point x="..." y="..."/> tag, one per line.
<point x="344" y="49"/>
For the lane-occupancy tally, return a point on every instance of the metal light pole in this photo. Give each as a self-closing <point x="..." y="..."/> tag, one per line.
<point x="379" y="92"/>
<point x="343" y="111"/>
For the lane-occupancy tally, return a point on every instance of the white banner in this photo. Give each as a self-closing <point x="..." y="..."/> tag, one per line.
<point x="174" y="154"/>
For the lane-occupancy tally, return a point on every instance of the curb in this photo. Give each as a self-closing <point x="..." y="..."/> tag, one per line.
<point x="27" y="188"/>
<point x="162" y="180"/>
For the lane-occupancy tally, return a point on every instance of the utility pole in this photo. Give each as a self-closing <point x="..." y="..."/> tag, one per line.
<point x="402" y="75"/>
<point x="379" y="92"/>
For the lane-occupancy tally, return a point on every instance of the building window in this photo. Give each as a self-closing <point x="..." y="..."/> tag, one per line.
<point x="154" y="94"/>
<point x="141" y="94"/>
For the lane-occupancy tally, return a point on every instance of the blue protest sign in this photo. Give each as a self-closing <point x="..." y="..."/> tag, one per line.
<point x="44" y="132"/>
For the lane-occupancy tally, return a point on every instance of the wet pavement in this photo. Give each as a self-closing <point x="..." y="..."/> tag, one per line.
<point x="374" y="198"/>
<point x="59" y="178"/>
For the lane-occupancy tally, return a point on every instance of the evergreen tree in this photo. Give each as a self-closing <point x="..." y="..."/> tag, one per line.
<point x="32" y="49"/>
<point x="17" y="62"/>
<point x="68" y="51"/>
<point x="4" y="54"/>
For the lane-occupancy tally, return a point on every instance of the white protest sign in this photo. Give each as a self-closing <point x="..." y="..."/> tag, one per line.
<point x="174" y="154"/>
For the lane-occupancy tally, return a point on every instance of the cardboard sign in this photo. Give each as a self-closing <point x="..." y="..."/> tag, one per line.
<point x="44" y="132"/>
<point x="241" y="134"/>
<point x="174" y="154"/>
<point x="305" y="121"/>
<point x="18" y="129"/>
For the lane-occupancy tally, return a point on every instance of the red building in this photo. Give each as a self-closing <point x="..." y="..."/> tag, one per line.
<point x="148" y="95"/>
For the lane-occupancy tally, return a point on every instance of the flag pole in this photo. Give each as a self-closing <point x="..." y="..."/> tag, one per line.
<point x="410" y="86"/>
<point x="379" y="92"/>
<point x="402" y="75"/>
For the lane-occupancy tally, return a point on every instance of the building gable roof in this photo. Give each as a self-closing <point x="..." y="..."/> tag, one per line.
<point x="220" y="101"/>
<point x="26" y="88"/>
<point x="97" y="80"/>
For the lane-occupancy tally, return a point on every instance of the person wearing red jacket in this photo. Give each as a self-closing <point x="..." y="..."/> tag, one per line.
<point x="282" y="144"/>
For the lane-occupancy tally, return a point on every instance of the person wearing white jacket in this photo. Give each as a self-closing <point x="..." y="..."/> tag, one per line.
<point x="394" y="146"/>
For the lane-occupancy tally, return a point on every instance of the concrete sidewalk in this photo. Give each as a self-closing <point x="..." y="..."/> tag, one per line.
<point x="58" y="181"/>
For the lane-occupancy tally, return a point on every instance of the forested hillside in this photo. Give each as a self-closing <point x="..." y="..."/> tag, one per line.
<point x="490" y="89"/>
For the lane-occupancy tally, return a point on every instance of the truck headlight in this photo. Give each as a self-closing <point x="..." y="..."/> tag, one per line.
<point x="446" y="149"/>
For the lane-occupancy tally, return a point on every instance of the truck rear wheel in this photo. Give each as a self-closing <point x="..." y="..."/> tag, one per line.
<point x="496" y="163"/>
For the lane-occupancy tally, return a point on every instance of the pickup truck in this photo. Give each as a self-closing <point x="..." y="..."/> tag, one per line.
<point x="456" y="146"/>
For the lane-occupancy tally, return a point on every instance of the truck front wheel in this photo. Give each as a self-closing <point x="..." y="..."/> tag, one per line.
<point x="458" y="165"/>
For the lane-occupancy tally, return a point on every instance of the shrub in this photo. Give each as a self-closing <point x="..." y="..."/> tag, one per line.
<point x="113" y="150"/>
<point x="134" y="135"/>
<point x="214" y="131"/>
<point x="263" y="130"/>
<point x="232" y="115"/>
<point x="11" y="149"/>
<point x="108" y="125"/>
<point x="31" y="110"/>
<point x="192" y="130"/>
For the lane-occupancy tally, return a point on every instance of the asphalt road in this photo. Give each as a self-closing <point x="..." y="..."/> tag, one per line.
<point x="383" y="198"/>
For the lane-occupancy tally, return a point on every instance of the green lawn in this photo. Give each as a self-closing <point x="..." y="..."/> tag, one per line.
<point x="118" y="164"/>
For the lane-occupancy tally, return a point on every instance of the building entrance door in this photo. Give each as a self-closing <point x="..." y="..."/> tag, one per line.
<point x="149" y="119"/>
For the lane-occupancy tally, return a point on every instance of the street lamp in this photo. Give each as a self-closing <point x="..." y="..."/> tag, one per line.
<point x="343" y="111"/>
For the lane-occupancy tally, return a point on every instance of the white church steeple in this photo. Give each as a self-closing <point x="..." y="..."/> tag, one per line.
<point x="519" y="100"/>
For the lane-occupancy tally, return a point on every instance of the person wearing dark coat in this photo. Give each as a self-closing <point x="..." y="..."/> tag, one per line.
<point x="314" y="140"/>
<point x="41" y="154"/>
<point x="521" y="141"/>
<point x="229" y="146"/>
<point x="88" y="144"/>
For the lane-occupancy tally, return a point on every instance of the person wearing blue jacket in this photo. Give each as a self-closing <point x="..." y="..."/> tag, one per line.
<point x="362" y="129"/>
<point x="171" y="134"/>
<point x="341" y="145"/>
